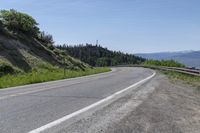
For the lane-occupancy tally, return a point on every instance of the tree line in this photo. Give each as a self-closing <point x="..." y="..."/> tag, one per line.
<point x="96" y="55"/>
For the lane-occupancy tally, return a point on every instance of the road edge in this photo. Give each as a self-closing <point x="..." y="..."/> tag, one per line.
<point x="76" y="113"/>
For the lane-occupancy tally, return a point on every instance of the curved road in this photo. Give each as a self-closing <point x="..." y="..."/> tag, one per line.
<point x="26" y="108"/>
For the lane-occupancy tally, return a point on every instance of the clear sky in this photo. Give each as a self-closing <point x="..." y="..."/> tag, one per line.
<point x="132" y="26"/>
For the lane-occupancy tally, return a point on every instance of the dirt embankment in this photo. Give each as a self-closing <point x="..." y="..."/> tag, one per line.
<point x="26" y="53"/>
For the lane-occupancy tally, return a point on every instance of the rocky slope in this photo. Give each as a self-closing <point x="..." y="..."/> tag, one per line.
<point x="24" y="53"/>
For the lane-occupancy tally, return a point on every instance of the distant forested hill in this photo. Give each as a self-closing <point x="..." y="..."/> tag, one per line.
<point x="96" y="55"/>
<point x="188" y="58"/>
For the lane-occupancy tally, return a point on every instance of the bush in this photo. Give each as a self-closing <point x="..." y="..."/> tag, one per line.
<point x="103" y="62"/>
<point x="45" y="38"/>
<point x="1" y="25"/>
<point x="50" y="46"/>
<point x="6" y="69"/>
<point x="19" y="22"/>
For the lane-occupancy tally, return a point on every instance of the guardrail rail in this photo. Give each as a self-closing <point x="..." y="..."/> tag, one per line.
<point x="190" y="71"/>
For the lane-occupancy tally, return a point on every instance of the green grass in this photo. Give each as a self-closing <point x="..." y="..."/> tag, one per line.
<point x="189" y="79"/>
<point x="182" y="76"/>
<point x="43" y="75"/>
<point x="168" y="63"/>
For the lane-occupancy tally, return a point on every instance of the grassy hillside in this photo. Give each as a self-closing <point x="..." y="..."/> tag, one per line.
<point x="99" y="56"/>
<point x="23" y="51"/>
<point x="24" y="54"/>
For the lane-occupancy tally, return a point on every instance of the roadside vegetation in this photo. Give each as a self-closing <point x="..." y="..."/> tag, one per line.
<point x="28" y="55"/>
<point x="168" y="63"/>
<point x="43" y="75"/>
<point x="189" y="79"/>
<point x="174" y="76"/>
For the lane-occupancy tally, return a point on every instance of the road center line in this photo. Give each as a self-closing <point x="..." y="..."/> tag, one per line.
<point x="58" y="81"/>
<point x="67" y="117"/>
<point x="50" y="88"/>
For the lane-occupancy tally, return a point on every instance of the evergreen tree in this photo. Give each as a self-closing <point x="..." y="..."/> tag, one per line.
<point x="95" y="55"/>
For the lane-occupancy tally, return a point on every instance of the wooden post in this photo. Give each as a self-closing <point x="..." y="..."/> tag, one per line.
<point x="64" y="68"/>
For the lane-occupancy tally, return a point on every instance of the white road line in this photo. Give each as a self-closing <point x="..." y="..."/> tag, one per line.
<point x="67" y="117"/>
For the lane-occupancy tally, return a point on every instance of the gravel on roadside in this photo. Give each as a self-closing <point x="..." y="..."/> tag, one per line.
<point x="159" y="106"/>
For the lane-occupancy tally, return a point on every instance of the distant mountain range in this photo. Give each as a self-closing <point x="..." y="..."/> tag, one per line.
<point x="189" y="58"/>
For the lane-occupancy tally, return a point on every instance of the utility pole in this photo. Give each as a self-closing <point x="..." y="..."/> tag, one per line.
<point x="97" y="42"/>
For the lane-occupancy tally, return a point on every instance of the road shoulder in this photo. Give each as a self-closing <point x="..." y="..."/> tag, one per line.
<point x="171" y="108"/>
<point x="157" y="106"/>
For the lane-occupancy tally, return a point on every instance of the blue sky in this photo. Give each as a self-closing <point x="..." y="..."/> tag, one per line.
<point x="132" y="26"/>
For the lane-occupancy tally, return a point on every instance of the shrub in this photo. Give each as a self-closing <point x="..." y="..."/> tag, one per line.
<point x="45" y="38"/>
<point x="5" y="69"/>
<point x="19" y="22"/>
<point x="1" y="25"/>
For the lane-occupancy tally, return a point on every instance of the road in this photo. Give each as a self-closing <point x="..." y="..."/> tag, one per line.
<point x="26" y="108"/>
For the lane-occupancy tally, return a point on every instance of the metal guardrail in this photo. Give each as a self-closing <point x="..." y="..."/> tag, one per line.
<point x="181" y="70"/>
<point x="190" y="71"/>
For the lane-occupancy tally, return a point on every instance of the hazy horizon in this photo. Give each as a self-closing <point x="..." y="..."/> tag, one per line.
<point x="184" y="51"/>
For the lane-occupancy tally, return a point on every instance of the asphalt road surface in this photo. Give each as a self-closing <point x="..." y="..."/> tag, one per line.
<point x="26" y="108"/>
